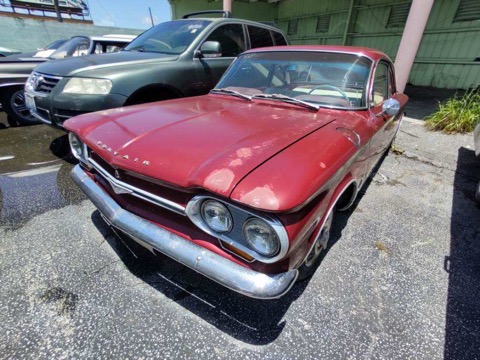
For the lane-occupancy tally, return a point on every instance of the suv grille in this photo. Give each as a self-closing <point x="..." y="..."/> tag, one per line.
<point x="43" y="83"/>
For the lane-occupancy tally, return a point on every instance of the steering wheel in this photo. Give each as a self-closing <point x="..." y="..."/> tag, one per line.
<point x="330" y="87"/>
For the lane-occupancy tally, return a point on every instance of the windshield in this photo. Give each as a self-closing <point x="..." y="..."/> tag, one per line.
<point x="172" y="37"/>
<point x="318" y="78"/>
<point x="76" y="46"/>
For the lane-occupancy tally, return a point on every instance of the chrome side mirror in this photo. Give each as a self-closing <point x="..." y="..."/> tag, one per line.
<point x="390" y="107"/>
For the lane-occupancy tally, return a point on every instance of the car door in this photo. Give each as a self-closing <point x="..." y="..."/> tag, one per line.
<point x="210" y="69"/>
<point x="384" y="126"/>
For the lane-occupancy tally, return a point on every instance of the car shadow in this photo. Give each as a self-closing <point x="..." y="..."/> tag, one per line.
<point x="252" y="321"/>
<point x="462" y="325"/>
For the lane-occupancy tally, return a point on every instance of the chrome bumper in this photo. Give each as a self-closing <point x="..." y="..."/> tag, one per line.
<point x="227" y="273"/>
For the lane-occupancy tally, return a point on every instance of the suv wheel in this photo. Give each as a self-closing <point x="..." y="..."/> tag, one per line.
<point x="13" y="103"/>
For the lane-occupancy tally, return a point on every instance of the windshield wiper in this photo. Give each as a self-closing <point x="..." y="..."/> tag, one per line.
<point x="287" y="99"/>
<point x="231" y="92"/>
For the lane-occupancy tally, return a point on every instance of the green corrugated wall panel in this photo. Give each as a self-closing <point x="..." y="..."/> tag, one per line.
<point x="296" y="8"/>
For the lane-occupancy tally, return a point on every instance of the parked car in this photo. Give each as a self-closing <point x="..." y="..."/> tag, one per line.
<point x="174" y="59"/>
<point x="241" y="184"/>
<point x="14" y="70"/>
<point x="7" y="52"/>
<point x="476" y="137"/>
<point x="49" y="49"/>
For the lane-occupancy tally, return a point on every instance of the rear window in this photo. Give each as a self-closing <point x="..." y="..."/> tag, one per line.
<point x="259" y="37"/>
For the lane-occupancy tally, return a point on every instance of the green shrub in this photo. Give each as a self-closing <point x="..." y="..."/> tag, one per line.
<point x="457" y="114"/>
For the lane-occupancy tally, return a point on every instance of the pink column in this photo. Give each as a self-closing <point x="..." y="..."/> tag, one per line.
<point x="227" y="5"/>
<point x="411" y="38"/>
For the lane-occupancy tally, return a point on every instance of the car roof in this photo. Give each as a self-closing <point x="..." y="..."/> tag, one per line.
<point x="373" y="54"/>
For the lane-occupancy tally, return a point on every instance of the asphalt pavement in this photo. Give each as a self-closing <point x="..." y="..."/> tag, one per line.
<point x="400" y="280"/>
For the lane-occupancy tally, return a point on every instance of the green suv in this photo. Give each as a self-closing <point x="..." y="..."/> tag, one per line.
<point x="174" y="59"/>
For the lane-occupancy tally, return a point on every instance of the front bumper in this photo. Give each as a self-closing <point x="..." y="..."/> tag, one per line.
<point x="227" y="273"/>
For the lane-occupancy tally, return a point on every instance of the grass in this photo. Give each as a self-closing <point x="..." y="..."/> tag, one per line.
<point x="457" y="114"/>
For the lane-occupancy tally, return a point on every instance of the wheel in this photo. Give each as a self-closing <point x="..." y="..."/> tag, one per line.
<point x="313" y="259"/>
<point x="13" y="103"/>
<point x="331" y="87"/>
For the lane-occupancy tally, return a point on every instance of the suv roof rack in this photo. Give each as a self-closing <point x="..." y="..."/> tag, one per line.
<point x="226" y="14"/>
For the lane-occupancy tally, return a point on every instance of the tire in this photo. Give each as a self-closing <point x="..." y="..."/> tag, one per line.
<point x="13" y="103"/>
<point x="312" y="261"/>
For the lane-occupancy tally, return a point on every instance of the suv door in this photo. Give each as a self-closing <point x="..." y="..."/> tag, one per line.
<point x="232" y="41"/>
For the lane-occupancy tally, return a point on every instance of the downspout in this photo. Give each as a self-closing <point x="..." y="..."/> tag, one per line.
<point x="411" y="38"/>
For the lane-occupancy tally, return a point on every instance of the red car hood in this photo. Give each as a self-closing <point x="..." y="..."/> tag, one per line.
<point x="211" y="141"/>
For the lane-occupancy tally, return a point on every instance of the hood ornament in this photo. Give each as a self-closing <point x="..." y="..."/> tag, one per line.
<point x="117" y="174"/>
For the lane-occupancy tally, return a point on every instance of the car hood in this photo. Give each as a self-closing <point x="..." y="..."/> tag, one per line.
<point x="76" y="65"/>
<point x="211" y="141"/>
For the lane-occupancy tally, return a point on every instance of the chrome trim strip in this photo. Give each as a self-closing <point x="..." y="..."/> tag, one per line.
<point x="193" y="213"/>
<point x="217" y="268"/>
<point x="139" y="193"/>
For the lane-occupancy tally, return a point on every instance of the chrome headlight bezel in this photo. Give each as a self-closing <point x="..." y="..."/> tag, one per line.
<point x="235" y="236"/>
<point x="87" y="86"/>
<point x="80" y="150"/>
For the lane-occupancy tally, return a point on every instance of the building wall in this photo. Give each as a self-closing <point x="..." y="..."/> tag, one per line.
<point x="258" y="11"/>
<point x="27" y="35"/>
<point x="447" y="53"/>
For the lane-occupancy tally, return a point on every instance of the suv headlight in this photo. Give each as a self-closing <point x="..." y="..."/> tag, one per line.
<point x="87" y="86"/>
<point x="261" y="237"/>
<point x="217" y="216"/>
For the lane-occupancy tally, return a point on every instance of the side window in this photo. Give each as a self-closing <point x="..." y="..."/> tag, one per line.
<point x="259" y="37"/>
<point x="231" y="38"/>
<point x="279" y="39"/>
<point x="381" y="88"/>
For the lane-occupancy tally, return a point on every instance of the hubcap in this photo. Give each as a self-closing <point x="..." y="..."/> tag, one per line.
<point x="18" y="105"/>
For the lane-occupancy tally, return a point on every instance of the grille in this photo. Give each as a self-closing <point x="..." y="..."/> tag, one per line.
<point x="44" y="83"/>
<point x="144" y="189"/>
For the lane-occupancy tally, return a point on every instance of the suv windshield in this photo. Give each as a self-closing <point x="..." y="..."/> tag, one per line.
<point x="319" y="78"/>
<point x="76" y="46"/>
<point x="172" y="37"/>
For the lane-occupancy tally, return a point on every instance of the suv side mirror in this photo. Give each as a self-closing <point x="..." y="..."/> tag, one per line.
<point x="210" y="49"/>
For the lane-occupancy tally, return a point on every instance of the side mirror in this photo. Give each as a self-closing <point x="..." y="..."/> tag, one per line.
<point x="390" y="107"/>
<point x="210" y="49"/>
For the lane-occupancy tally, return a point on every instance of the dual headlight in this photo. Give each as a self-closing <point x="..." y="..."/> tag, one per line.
<point x="257" y="233"/>
<point x="86" y="86"/>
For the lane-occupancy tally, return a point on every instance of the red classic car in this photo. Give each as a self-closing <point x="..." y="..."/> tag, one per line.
<point x="241" y="184"/>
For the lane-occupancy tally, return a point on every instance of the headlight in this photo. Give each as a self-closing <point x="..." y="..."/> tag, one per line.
<point x="261" y="237"/>
<point x="76" y="145"/>
<point x="88" y="86"/>
<point x="217" y="216"/>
